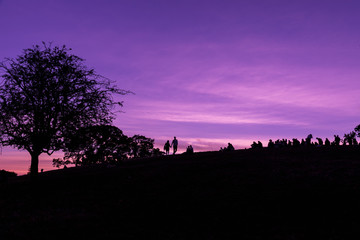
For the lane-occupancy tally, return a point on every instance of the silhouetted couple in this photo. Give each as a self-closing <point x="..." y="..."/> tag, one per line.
<point x="174" y="145"/>
<point x="190" y="149"/>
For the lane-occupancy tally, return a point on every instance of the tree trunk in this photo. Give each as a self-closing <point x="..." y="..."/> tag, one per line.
<point x="34" y="167"/>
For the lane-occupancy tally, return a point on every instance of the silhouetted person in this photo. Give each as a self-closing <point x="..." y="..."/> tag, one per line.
<point x="271" y="144"/>
<point x="254" y="145"/>
<point x="174" y="145"/>
<point x="167" y="147"/>
<point x="230" y="147"/>
<point x="327" y="142"/>
<point x="260" y="145"/>
<point x="337" y="140"/>
<point x="296" y="142"/>
<point x="308" y="139"/>
<point x="320" y="141"/>
<point x="278" y="143"/>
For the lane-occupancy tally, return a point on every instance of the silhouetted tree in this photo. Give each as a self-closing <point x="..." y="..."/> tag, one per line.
<point x="157" y="152"/>
<point x="94" y="145"/>
<point x="46" y="96"/>
<point x="141" y="146"/>
<point x="357" y="131"/>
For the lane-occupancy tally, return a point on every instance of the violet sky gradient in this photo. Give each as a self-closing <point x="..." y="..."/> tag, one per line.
<point x="208" y="72"/>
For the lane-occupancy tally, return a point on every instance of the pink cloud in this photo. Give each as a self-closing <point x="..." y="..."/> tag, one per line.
<point x="209" y="71"/>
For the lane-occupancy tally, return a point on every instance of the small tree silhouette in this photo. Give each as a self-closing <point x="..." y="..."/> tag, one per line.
<point x="94" y="145"/>
<point x="357" y="131"/>
<point x="141" y="146"/>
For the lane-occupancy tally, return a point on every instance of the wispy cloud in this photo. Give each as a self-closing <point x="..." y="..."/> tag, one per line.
<point x="210" y="71"/>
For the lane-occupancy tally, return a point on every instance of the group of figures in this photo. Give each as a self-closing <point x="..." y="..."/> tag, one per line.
<point x="174" y="144"/>
<point x="229" y="147"/>
<point x="348" y="140"/>
<point x="189" y="149"/>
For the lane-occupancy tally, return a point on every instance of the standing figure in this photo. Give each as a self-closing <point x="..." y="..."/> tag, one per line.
<point x="327" y="142"/>
<point x="167" y="147"/>
<point x="174" y="144"/>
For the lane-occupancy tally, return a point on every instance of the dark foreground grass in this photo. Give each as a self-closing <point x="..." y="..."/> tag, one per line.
<point x="245" y="194"/>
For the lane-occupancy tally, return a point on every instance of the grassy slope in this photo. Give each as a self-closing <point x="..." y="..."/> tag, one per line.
<point x="262" y="194"/>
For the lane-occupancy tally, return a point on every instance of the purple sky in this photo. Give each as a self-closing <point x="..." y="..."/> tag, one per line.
<point x="208" y="72"/>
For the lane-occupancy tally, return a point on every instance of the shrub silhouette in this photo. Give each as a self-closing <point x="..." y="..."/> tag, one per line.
<point x="141" y="146"/>
<point x="4" y="175"/>
<point x="105" y="144"/>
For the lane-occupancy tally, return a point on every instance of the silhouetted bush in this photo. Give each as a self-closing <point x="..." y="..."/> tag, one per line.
<point x="140" y="146"/>
<point x="5" y="175"/>
<point x="105" y="144"/>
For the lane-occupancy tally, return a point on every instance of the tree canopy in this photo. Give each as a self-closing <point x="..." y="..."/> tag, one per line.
<point x="95" y="144"/>
<point x="141" y="146"/>
<point x="47" y="95"/>
<point x="105" y="144"/>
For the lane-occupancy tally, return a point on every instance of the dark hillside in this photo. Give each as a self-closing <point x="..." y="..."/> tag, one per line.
<point x="246" y="194"/>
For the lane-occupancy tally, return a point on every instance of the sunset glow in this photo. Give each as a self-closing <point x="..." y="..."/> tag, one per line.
<point x="207" y="72"/>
